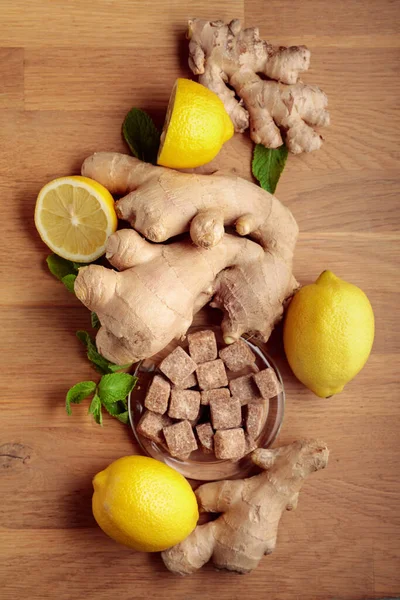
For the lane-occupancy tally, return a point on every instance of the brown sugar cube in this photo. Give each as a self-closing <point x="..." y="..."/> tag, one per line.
<point x="205" y="434"/>
<point x="254" y="418"/>
<point x="250" y="444"/>
<point x="151" y="425"/>
<point x="229" y="443"/>
<point x="237" y="356"/>
<point x="180" y="439"/>
<point x="268" y="383"/>
<point x="226" y="413"/>
<point x="184" y="404"/>
<point x="217" y="394"/>
<point x="188" y="382"/>
<point x="244" y="389"/>
<point x="202" y="346"/>
<point x="178" y="365"/>
<point x="211" y="375"/>
<point x="158" y="395"/>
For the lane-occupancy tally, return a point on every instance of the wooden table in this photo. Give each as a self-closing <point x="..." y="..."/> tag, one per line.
<point x="69" y="71"/>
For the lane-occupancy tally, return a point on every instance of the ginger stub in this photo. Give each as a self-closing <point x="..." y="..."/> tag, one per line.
<point x="250" y="509"/>
<point x="277" y="110"/>
<point x="159" y="288"/>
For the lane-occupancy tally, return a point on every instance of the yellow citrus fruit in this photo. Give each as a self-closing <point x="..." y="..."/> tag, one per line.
<point x="75" y="216"/>
<point x="196" y="127"/>
<point x="328" y="334"/>
<point x="144" y="504"/>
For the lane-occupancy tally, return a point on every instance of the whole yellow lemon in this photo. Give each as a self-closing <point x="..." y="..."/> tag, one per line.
<point x="144" y="504"/>
<point x="328" y="334"/>
<point x="196" y="127"/>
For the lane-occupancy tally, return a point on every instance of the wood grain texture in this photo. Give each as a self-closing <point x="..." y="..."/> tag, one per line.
<point x="70" y="70"/>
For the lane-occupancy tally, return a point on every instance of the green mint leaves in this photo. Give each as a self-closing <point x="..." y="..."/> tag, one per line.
<point x="111" y="393"/>
<point x="141" y="135"/>
<point x="268" y="164"/>
<point x="65" y="270"/>
<point x="94" y="320"/>
<point x="101" y="364"/>
<point x="77" y="393"/>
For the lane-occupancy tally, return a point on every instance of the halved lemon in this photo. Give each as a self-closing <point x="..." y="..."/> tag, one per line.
<point x="196" y="126"/>
<point x="75" y="217"/>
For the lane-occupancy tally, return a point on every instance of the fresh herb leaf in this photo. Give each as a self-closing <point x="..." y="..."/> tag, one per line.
<point x="77" y="393"/>
<point x="117" y="410"/>
<point x="60" y="267"/>
<point x="95" y="409"/>
<point x="95" y="321"/>
<point x="268" y="164"/>
<point x="141" y="135"/>
<point x="100" y="363"/>
<point x="115" y="387"/>
<point x="116" y="368"/>
<point x="123" y="417"/>
<point x="69" y="281"/>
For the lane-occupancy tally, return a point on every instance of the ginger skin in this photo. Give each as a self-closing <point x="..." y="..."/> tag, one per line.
<point x="227" y="54"/>
<point x="250" y="286"/>
<point x="159" y="288"/>
<point x="251" y="509"/>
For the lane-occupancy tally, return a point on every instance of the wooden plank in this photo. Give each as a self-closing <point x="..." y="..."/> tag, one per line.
<point x="104" y="23"/>
<point x="12" y="78"/>
<point x="69" y="73"/>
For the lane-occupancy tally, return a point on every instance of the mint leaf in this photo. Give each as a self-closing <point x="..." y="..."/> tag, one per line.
<point x="100" y="363"/>
<point x="95" y="321"/>
<point x="141" y="135"/>
<point x="69" y="281"/>
<point x="115" y="387"/>
<point x="268" y="164"/>
<point x="77" y="393"/>
<point x="60" y="267"/>
<point x="115" y="368"/>
<point x="123" y="417"/>
<point x="95" y="409"/>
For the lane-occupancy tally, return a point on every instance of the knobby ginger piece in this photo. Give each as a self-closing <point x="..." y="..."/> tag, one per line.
<point x="268" y="383"/>
<point x="178" y="365"/>
<point x="211" y="375"/>
<point x="184" y="404"/>
<point x="158" y="395"/>
<point x="180" y="439"/>
<point x="229" y="444"/>
<point x="225" y="56"/>
<point x="151" y="425"/>
<point x="226" y="413"/>
<point x="249" y="509"/>
<point x="237" y="356"/>
<point x="202" y="346"/>
<point x="217" y="394"/>
<point x="244" y="389"/>
<point x="205" y="434"/>
<point x="157" y="288"/>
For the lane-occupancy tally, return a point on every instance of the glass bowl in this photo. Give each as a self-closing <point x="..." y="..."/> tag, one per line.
<point x="201" y="466"/>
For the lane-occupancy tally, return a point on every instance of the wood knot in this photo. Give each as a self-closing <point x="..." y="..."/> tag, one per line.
<point x="13" y="454"/>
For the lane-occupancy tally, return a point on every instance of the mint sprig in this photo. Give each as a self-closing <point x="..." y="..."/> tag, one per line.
<point x="141" y="135"/>
<point x="64" y="270"/>
<point x="101" y="364"/>
<point x="110" y="393"/>
<point x="268" y="164"/>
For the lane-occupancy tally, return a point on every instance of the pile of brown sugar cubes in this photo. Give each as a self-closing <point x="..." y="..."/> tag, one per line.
<point x="192" y="403"/>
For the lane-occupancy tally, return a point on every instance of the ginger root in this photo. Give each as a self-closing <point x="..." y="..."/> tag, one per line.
<point x="159" y="288"/>
<point x="227" y="55"/>
<point x="168" y="284"/>
<point x="251" y="509"/>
